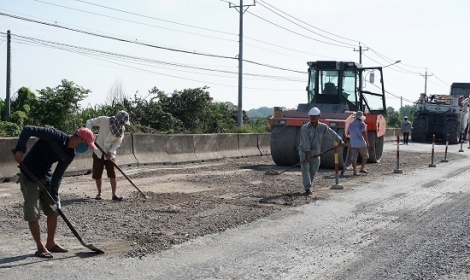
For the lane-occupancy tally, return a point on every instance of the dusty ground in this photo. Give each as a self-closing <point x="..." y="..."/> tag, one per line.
<point x="185" y="201"/>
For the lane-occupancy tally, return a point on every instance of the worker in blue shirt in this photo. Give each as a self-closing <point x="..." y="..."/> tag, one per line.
<point x="52" y="146"/>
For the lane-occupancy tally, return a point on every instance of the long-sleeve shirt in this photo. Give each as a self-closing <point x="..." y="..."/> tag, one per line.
<point x="406" y="126"/>
<point x="51" y="147"/>
<point x="311" y="137"/>
<point x="106" y="140"/>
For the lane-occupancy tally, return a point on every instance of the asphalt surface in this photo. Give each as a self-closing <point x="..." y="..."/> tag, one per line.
<point x="405" y="226"/>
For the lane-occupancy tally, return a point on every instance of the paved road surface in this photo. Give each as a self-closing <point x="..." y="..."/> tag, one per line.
<point x="407" y="226"/>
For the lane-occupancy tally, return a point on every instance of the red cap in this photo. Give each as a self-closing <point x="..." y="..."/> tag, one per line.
<point x="89" y="137"/>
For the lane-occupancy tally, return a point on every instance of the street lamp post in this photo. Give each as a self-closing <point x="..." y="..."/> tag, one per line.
<point x="398" y="61"/>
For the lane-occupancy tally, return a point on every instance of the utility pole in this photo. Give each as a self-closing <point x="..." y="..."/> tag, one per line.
<point x="241" y="9"/>
<point x="426" y="80"/>
<point x="8" y="92"/>
<point x="360" y="52"/>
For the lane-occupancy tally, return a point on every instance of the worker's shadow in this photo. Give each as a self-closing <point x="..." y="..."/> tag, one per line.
<point x="29" y="259"/>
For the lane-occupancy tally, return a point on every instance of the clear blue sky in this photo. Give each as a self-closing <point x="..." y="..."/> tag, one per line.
<point x="422" y="34"/>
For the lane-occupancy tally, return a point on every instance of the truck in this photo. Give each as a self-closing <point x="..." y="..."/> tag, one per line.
<point x="442" y="115"/>
<point x="338" y="89"/>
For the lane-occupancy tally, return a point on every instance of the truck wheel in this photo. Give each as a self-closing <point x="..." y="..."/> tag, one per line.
<point x="419" y="132"/>
<point x="452" y="127"/>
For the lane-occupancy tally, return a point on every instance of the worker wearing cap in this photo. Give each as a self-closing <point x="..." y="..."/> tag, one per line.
<point x="52" y="146"/>
<point x="311" y="136"/>
<point x="406" y="129"/>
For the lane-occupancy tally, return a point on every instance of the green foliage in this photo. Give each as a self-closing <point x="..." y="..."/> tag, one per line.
<point x="185" y="111"/>
<point x="2" y="110"/>
<point x="18" y="117"/>
<point x="393" y="118"/>
<point x="259" y="125"/>
<point x="9" y="129"/>
<point x="190" y="106"/>
<point x="58" y="107"/>
<point x="408" y="111"/>
<point x="260" y="112"/>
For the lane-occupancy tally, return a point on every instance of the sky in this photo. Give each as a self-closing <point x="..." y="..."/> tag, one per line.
<point x="132" y="46"/>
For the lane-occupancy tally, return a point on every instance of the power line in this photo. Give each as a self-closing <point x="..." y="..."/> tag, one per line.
<point x="192" y="26"/>
<point x="277" y="25"/>
<point x="154" y="18"/>
<point x="73" y="48"/>
<point x="180" y="31"/>
<point x="321" y="35"/>
<point x="136" y="22"/>
<point x="306" y="22"/>
<point x="142" y="43"/>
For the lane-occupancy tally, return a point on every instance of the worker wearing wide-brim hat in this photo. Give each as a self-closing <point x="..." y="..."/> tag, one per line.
<point x="311" y="137"/>
<point x="357" y="131"/>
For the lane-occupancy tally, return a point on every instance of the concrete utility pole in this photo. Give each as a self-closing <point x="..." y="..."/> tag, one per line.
<point x="241" y="9"/>
<point x="426" y="80"/>
<point x="360" y="52"/>
<point x="8" y="92"/>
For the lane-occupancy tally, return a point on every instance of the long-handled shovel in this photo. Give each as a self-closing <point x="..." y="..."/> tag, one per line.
<point x="347" y="159"/>
<point x="31" y="175"/>
<point x="124" y="174"/>
<point x="274" y="172"/>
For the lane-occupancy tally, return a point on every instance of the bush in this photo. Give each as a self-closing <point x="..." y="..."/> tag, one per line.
<point x="9" y="129"/>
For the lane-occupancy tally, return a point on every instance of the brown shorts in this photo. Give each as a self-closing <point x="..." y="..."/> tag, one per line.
<point x="99" y="164"/>
<point x="356" y="151"/>
<point x="34" y="200"/>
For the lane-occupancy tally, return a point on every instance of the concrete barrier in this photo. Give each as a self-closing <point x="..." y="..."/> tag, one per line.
<point x="150" y="148"/>
<point x="264" y="145"/>
<point x="81" y="164"/>
<point x="227" y="145"/>
<point x="180" y="148"/>
<point x="164" y="149"/>
<point x="206" y="147"/>
<point x="125" y="152"/>
<point x="248" y="144"/>
<point x="8" y="165"/>
<point x="391" y="134"/>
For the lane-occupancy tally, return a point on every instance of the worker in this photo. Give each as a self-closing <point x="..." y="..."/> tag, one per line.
<point x="311" y="136"/>
<point x="406" y="129"/>
<point x="110" y="135"/>
<point x="357" y="131"/>
<point x="52" y="146"/>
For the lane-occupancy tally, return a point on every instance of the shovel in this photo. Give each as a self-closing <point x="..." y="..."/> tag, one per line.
<point x="120" y="170"/>
<point x="31" y="175"/>
<point x="274" y="172"/>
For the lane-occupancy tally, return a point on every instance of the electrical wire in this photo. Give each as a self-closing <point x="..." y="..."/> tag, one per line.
<point x="132" y="21"/>
<point x="321" y="35"/>
<point x="291" y="31"/>
<point x="136" y="59"/>
<point x="142" y="43"/>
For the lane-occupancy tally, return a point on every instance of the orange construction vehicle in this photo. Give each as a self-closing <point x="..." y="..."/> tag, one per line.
<point x="338" y="89"/>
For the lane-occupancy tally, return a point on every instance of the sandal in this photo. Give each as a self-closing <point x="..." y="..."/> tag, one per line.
<point x="57" y="249"/>
<point x="363" y="171"/>
<point x="117" y="198"/>
<point x="44" y="254"/>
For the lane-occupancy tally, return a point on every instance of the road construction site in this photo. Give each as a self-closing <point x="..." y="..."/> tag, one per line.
<point x="228" y="219"/>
